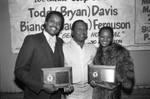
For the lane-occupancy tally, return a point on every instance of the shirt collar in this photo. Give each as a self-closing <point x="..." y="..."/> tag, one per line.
<point x="75" y="44"/>
<point x="48" y="36"/>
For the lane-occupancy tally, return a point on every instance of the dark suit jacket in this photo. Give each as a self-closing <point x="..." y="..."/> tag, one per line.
<point x="35" y="54"/>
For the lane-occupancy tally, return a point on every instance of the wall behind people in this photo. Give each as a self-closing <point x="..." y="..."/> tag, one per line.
<point x="7" y="58"/>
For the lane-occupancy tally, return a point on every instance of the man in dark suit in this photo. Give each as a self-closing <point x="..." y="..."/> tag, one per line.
<point x="37" y="53"/>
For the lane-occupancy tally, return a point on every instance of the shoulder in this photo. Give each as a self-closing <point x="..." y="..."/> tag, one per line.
<point x="34" y="36"/>
<point x="92" y="46"/>
<point x="67" y="44"/>
<point x="67" y="48"/>
<point x="60" y="40"/>
<point x="30" y="41"/>
<point x="119" y="49"/>
<point x="39" y="37"/>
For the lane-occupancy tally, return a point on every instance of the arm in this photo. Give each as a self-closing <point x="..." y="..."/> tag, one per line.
<point x="125" y="73"/>
<point x="23" y="66"/>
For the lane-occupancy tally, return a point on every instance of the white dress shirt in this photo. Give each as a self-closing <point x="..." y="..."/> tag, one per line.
<point x="51" y="40"/>
<point x="78" y="58"/>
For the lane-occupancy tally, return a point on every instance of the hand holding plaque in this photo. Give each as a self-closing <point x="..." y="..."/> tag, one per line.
<point x="69" y="89"/>
<point x="49" y="88"/>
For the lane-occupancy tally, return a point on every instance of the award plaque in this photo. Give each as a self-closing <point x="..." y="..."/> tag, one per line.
<point x="60" y="76"/>
<point x="101" y="73"/>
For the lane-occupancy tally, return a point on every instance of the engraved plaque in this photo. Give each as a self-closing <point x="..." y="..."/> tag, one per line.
<point x="101" y="73"/>
<point x="60" y="76"/>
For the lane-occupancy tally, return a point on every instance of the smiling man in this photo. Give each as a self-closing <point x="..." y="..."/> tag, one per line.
<point x="78" y="55"/>
<point x="42" y="50"/>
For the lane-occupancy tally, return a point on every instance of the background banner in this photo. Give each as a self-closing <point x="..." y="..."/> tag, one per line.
<point x="130" y="19"/>
<point x="142" y="30"/>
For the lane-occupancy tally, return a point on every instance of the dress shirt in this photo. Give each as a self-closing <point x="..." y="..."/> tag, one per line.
<point x="51" y="40"/>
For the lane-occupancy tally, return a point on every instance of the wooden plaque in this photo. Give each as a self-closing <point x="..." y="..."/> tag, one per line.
<point x="60" y="76"/>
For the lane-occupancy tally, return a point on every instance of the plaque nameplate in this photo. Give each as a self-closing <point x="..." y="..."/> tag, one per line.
<point x="60" y="76"/>
<point x="101" y="73"/>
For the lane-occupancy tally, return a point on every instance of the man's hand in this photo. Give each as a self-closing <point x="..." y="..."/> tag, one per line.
<point x="49" y="88"/>
<point x="69" y="89"/>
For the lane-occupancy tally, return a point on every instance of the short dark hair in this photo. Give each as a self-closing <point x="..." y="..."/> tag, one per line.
<point x="107" y="28"/>
<point x="74" y="23"/>
<point x="56" y="13"/>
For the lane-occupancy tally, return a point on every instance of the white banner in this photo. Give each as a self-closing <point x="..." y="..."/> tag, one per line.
<point x="142" y="30"/>
<point x="27" y="16"/>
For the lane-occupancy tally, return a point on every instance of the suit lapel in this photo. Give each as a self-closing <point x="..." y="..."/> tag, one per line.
<point x="59" y="47"/>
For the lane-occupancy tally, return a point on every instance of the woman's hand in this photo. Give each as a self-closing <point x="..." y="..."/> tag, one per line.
<point x="106" y="85"/>
<point x="109" y="86"/>
<point x="93" y="84"/>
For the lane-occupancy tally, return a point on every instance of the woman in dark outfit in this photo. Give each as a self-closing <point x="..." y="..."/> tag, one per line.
<point x="113" y="54"/>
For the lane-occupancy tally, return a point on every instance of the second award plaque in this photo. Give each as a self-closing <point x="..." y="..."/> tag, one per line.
<point x="101" y="73"/>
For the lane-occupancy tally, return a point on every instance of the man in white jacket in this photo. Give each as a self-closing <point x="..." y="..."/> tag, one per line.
<point x="78" y="55"/>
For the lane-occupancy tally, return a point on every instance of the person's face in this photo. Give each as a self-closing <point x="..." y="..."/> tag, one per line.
<point x="80" y="32"/>
<point x="105" y="38"/>
<point x="53" y="24"/>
